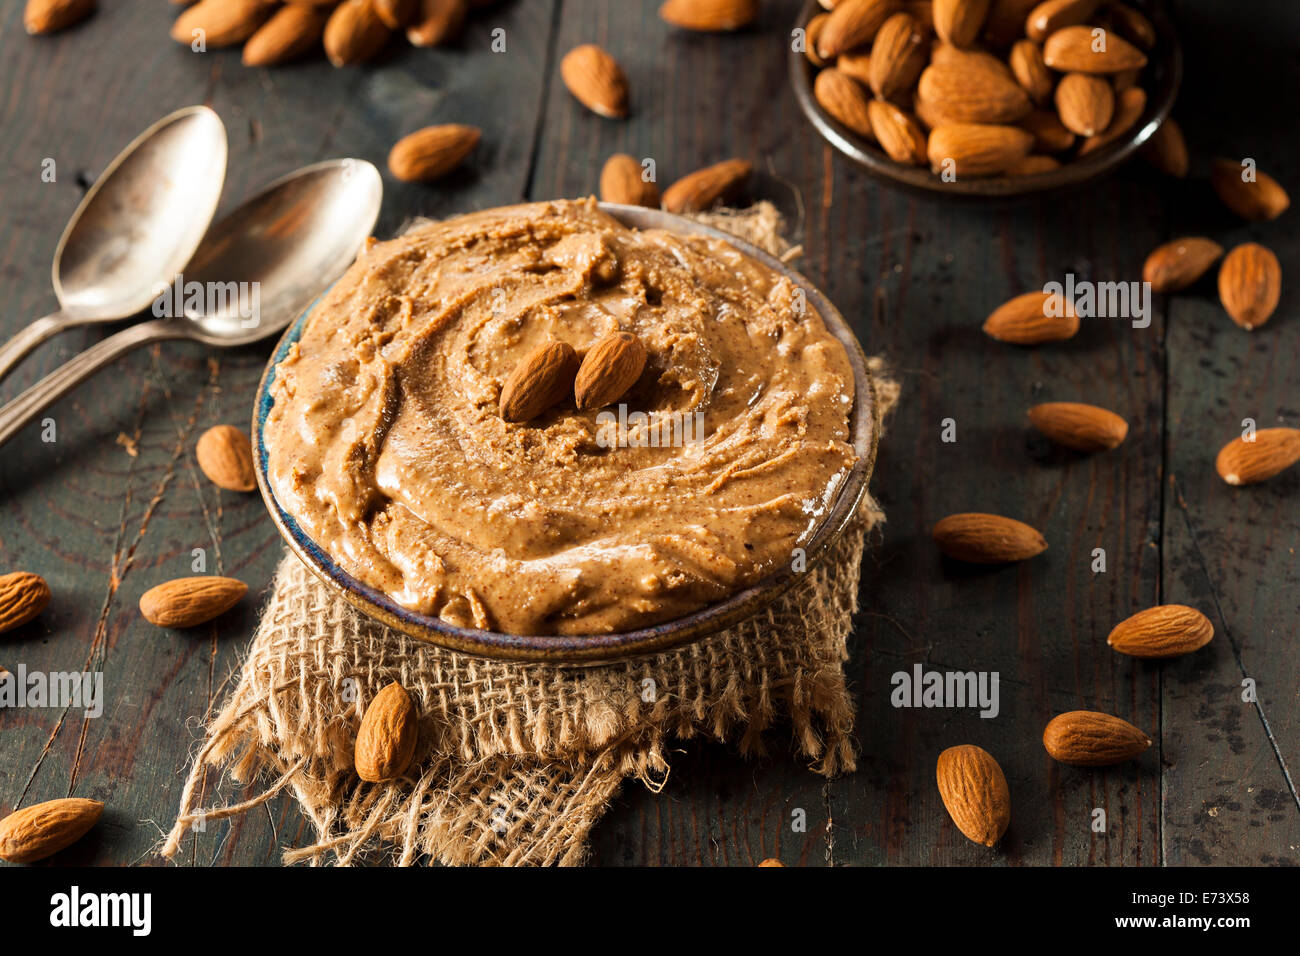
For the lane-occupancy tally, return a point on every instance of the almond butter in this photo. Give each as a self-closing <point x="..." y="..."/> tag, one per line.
<point x="1251" y="194"/>
<point x="899" y="134"/>
<point x="1269" y="452"/>
<point x="226" y="457"/>
<point x="1086" y="738"/>
<point x="698" y="191"/>
<point x="1052" y="15"/>
<point x="397" y="13"/>
<point x="1085" y="103"/>
<point x="1026" y="61"/>
<point x="220" y="23"/>
<point x="1050" y="134"/>
<point x="608" y="370"/>
<point x="979" y="538"/>
<point x="853" y="23"/>
<point x="845" y="100"/>
<point x="50" y="16"/>
<point x="294" y="29"/>
<point x="43" y="829"/>
<point x="897" y="56"/>
<point x="709" y="16"/>
<point x="1085" y="428"/>
<point x="1177" y="264"/>
<point x="1033" y="318"/>
<point x="959" y="21"/>
<point x="1084" y="49"/>
<point x="390" y="729"/>
<point x="353" y="33"/>
<point x="431" y="153"/>
<point x="1167" y="630"/>
<point x="1250" y="284"/>
<point x="188" y="602"/>
<point x="1129" y="107"/>
<point x="436" y="22"/>
<point x="542" y="379"/>
<point x="622" y="180"/>
<point x="596" y="80"/>
<point x="974" y="792"/>
<point x="973" y="149"/>
<point x="966" y="95"/>
<point x="1166" y="150"/>
<point x="23" y="596"/>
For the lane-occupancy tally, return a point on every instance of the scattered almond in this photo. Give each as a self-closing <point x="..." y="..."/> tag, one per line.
<point x="436" y="22"/>
<point x="542" y="379"/>
<point x="987" y="539"/>
<point x="1031" y="319"/>
<point x="1167" y="630"/>
<point x="622" y="180"/>
<point x="1250" y="284"/>
<point x="50" y="16"/>
<point x="975" y="149"/>
<point x="43" y="829"/>
<point x="1262" y="198"/>
<point x="23" y="596"/>
<point x="1270" y="452"/>
<point x="1085" y="103"/>
<point x="709" y="16"/>
<point x="608" y="370"/>
<point x="974" y="792"/>
<point x="226" y="457"/>
<point x="389" y="731"/>
<point x="1085" y="428"/>
<point x="1166" y="150"/>
<point x="354" y="33"/>
<point x="959" y="21"/>
<point x="845" y="100"/>
<point x="187" y="602"/>
<point x="220" y="23"/>
<point x="1175" y="265"/>
<point x="429" y="154"/>
<point x="596" y="80"/>
<point x="698" y="191"/>
<point x="1079" y="49"/>
<point x="1086" y="738"/>
<point x="294" y="29"/>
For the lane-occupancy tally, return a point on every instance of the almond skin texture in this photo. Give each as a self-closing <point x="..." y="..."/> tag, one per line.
<point x="1167" y="630"/>
<point x="23" y="596"/>
<point x="709" y="16"/>
<point x="1250" y="284"/>
<point x="1273" y="451"/>
<point x="295" y="29"/>
<point x="596" y="80"/>
<point x="1085" y="428"/>
<point x="1025" y="320"/>
<point x="898" y="56"/>
<point x="608" y="370"/>
<point x="226" y="457"/>
<point x="1052" y="15"/>
<point x="698" y="191"/>
<point x="223" y="22"/>
<point x="1070" y="50"/>
<point x="1253" y="201"/>
<point x="43" y="829"/>
<point x="967" y="95"/>
<point x="959" y="22"/>
<point x="354" y="33"/>
<point x="389" y="732"/>
<point x="845" y="100"/>
<point x="542" y="379"/>
<point x="974" y="792"/>
<point x="1085" y="103"/>
<point x="1166" y="150"/>
<point x="437" y="22"/>
<point x="431" y="153"/>
<point x="978" y="538"/>
<point x="1086" y="738"/>
<point x="1176" y="265"/>
<point x="50" y="16"/>
<point x="188" y="602"/>
<point x="854" y="23"/>
<point x="1026" y="61"/>
<point x="977" y="149"/>
<point x="899" y="135"/>
<point x="621" y="181"/>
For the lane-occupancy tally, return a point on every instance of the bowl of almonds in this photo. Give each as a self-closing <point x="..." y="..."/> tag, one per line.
<point x="985" y="98"/>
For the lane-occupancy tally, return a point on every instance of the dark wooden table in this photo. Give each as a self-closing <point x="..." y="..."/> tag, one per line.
<point x="916" y="278"/>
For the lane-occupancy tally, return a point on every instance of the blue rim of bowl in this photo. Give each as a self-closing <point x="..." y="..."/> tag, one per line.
<point x="864" y="427"/>
<point x="1166" y="61"/>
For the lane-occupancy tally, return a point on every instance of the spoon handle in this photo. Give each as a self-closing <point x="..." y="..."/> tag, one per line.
<point x="62" y="380"/>
<point x="13" y="351"/>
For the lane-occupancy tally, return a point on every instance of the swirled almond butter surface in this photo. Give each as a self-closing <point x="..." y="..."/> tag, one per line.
<point x="387" y="445"/>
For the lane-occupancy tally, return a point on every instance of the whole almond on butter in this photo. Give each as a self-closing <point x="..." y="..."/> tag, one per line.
<point x="220" y="23"/>
<point x="854" y="23"/>
<point x="959" y="22"/>
<point x="1086" y="738"/>
<point x="1085" y="103"/>
<point x="1033" y="318"/>
<point x="979" y="538"/>
<point x="542" y="379"/>
<point x="295" y="29"/>
<point x="608" y="370"/>
<point x="389" y="732"/>
<point x="1084" y="49"/>
<point x="1175" y="265"/>
<point x="1250" y="284"/>
<point x="354" y="33"/>
<point x="899" y="134"/>
<point x="1085" y="428"/>
<point x="1269" y="452"/>
<point x="43" y="829"/>
<point x="429" y="154"/>
<point x="1050" y="134"/>
<point x="709" y="16"/>
<point x="974" y="149"/>
<point x="596" y="80"/>
<point x="845" y="100"/>
<point x="226" y="457"/>
<point x="966" y="95"/>
<point x="397" y="13"/>
<point x="1052" y="15"/>
<point x="1252" y="199"/>
<point x="1026" y="62"/>
<point x="50" y="16"/>
<point x="188" y="602"/>
<point x="622" y="180"/>
<point x="1129" y="106"/>
<point x="437" y="22"/>
<point x="1166" y="150"/>
<point x="698" y="191"/>
<point x="1167" y="630"/>
<point x="974" y="792"/>
<point x="898" y="56"/>
<point x="23" y="596"/>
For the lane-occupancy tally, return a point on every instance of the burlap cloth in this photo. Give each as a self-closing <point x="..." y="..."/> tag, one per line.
<point x="517" y="762"/>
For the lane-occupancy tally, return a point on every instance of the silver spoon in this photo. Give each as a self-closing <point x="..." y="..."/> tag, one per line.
<point x="136" y="227"/>
<point x="276" y="252"/>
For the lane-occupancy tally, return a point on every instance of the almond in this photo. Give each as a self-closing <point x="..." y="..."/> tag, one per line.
<point x="437" y="22"/>
<point x="1250" y="284"/>
<point x="771" y="861"/>
<point x="945" y="54"/>
<point x="23" y="596"/>
<point x="1124" y="80"/>
<point x="429" y="154"/>
<point x="845" y="100"/>
<point x="1272" y="451"/>
<point x="709" y="16"/>
<point x="608" y="370"/>
<point x="43" y="829"/>
<point x="986" y="539"/>
<point x="811" y="33"/>
<point x="596" y="80"/>
<point x="698" y="191"/>
<point x="1052" y="15"/>
<point x="1129" y="106"/>
<point x="1084" y="49"/>
<point x="966" y="95"/>
<point x="542" y="379"/>
<point x="922" y="12"/>
<point x="854" y="23"/>
<point x="397" y="13"/>
<point x="295" y="29"/>
<point x="1026" y="61"/>
<point x="898" y="133"/>
<point x="897" y="56"/>
<point x="856" y="66"/>
<point x="186" y="602"/>
<point x="354" y="33"/>
<point x="1034" y="166"/>
<point x="50" y="16"/>
<point x="1133" y="24"/>
<point x="1085" y="428"/>
<point x="622" y="180"/>
<point x="220" y="22"/>
<point x="974" y="792"/>
<point x="226" y="457"/>
<point x="1085" y="103"/>
<point x="1166" y="150"/>
<point x="1175" y="265"/>
<point x="1006" y="22"/>
<point x="1050" y="134"/>
<point x="1264" y="198"/>
<point x="1032" y="318"/>
<point x="1166" y="630"/>
<point x="977" y="150"/>
<point x="1086" y="738"/>
<point x="959" y="21"/>
<point x="389" y="731"/>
